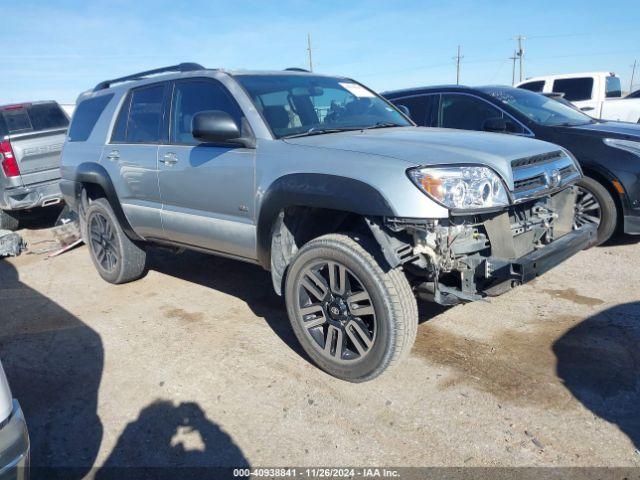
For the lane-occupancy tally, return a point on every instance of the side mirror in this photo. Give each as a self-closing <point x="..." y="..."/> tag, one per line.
<point x="215" y="126"/>
<point x="495" y="124"/>
<point x="404" y="109"/>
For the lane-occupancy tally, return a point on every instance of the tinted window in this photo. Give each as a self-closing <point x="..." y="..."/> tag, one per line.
<point x="193" y="96"/>
<point x="536" y="86"/>
<point x="17" y="119"/>
<point x="143" y="113"/>
<point x="574" y="89"/>
<point x="423" y="109"/>
<point x="86" y="116"/>
<point x="613" y="87"/>
<point x="47" y="116"/>
<point x="635" y="94"/>
<point x="470" y="113"/>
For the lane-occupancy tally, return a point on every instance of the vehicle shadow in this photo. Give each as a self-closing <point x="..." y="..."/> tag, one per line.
<point x="54" y="364"/>
<point x="172" y="441"/>
<point x="598" y="360"/>
<point x="40" y="218"/>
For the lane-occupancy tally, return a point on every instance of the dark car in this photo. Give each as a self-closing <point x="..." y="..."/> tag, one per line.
<point x="609" y="152"/>
<point x="635" y="94"/>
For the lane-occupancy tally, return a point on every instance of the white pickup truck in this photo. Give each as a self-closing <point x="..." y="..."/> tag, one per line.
<point x="598" y="94"/>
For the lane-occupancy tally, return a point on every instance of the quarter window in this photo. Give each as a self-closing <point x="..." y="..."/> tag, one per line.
<point x="423" y="109"/>
<point x="193" y="96"/>
<point x="86" y="116"/>
<point x="574" y="89"/>
<point x="140" y="119"/>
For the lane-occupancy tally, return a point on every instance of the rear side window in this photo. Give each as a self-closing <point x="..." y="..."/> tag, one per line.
<point x="141" y="116"/>
<point x="536" y="86"/>
<point x="86" y="116"/>
<point x="574" y="89"/>
<point x="47" y="116"/>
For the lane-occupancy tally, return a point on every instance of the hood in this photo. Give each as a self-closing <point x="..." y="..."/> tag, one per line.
<point x="624" y="130"/>
<point x="433" y="146"/>
<point x="6" y="403"/>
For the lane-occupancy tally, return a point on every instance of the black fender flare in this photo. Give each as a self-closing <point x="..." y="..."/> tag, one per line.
<point x="314" y="190"/>
<point x="94" y="173"/>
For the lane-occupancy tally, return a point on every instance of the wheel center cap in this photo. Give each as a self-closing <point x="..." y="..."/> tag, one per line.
<point x="337" y="309"/>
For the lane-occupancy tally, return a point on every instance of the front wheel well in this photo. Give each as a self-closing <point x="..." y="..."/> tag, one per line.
<point x="606" y="183"/>
<point x="295" y="226"/>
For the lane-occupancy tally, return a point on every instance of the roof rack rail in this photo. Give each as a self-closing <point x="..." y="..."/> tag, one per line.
<point x="181" y="67"/>
<point x="296" y="69"/>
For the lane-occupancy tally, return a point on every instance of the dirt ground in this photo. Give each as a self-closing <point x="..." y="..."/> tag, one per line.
<point x="196" y="365"/>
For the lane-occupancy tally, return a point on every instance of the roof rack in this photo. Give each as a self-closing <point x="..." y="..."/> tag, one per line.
<point x="181" y="67"/>
<point x="296" y="69"/>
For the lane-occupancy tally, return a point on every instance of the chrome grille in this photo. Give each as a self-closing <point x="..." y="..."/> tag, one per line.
<point x="541" y="174"/>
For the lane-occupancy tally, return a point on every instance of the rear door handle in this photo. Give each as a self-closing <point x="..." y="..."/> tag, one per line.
<point x="114" y="155"/>
<point x="169" y="158"/>
<point x="587" y="109"/>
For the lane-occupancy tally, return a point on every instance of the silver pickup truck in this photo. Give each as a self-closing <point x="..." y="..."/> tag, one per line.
<point x="31" y="139"/>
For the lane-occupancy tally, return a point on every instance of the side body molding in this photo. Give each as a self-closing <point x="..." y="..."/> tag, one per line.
<point x="94" y="173"/>
<point x="315" y="190"/>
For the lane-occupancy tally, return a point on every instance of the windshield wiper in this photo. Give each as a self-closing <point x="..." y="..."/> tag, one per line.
<point x="320" y="131"/>
<point x="382" y="125"/>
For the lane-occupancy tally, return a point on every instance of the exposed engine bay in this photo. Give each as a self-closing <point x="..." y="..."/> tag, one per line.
<point x="469" y="257"/>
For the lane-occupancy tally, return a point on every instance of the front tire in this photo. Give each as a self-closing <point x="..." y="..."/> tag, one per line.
<point x="117" y="259"/>
<point x="595" y="205"/>
<point x="354" y="319"/>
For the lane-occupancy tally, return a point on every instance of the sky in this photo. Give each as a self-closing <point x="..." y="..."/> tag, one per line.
<point x="57" y="49"/>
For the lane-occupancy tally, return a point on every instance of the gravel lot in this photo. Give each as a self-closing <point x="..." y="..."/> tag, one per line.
<point x="196" y="365"/>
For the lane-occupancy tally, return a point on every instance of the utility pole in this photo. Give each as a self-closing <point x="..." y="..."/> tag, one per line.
<point x="513" y="68"/>
<point x="309" y="50"/>
<point x="520" y="54"/>
<point x="457" y="58"/>
<point x="633" y="74"/>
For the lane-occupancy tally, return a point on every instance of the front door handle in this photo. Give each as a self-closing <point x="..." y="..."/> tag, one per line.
<point x="587" y="109"/>
<point x="114" y="155"/>
<point x="169" y="159"/>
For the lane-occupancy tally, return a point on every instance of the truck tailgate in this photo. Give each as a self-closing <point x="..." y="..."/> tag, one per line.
<point x="38" y="155"/>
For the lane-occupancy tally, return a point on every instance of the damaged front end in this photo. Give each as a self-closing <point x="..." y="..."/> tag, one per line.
<point x="469" y="257"/>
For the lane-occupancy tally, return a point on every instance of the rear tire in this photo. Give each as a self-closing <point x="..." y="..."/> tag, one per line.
<point x="117" y="259"/>
<point x="9" y="220"/>
<point x="595" y="205"/>
<point x="347" y="344"/>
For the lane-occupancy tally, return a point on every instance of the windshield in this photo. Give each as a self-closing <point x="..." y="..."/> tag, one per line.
<point x="536" y="107"/>
<point x="306" y="104"/>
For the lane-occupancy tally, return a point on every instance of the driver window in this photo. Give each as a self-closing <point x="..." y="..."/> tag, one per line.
<point x="470" y="113"/>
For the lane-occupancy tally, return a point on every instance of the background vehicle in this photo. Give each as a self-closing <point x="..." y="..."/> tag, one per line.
<point x="598" y="94"/>
<point x="635" y="94"/>
<point x="327" y="185"/>
<point x="607" y="151"/>
<point x="31" y="139"/>
<point x="14" y="439"/>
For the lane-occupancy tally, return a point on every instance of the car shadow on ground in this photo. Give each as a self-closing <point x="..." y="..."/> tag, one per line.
<point x="598" y="360"/>
<point x="170" y="441"/>
<point x="40" y="218"/>
<point x="54" y="364"/>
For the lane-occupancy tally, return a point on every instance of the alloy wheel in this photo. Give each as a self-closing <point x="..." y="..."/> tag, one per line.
<point x="336" y="311"/>
<point x="588" y="209"/>
<point x="103" y="243"/>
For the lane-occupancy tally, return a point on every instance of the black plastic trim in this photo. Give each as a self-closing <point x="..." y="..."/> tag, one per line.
<point x="319" y="191"/>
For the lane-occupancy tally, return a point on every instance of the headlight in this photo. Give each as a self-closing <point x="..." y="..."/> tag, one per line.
<point x="461" y="187"/>
<point x="628" y="145"/>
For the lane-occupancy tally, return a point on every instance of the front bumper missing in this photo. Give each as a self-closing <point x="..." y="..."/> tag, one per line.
<point x="506" y="273"/>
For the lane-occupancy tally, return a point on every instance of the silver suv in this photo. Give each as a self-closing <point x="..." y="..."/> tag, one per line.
<point x="353" y="209"/>
<point x="31" y="139"/>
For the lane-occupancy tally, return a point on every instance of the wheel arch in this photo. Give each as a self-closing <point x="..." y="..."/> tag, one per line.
<point x="606" y="179"/>
<point x="90" y="176"/>
<point x="319" y="203"/>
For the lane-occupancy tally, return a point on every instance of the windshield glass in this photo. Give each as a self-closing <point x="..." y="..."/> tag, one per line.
<point x="536" y="107"/>
<point x="306" y="104"/>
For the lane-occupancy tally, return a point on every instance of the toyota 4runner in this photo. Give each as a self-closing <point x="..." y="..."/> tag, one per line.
<point x="353" y="209"/>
